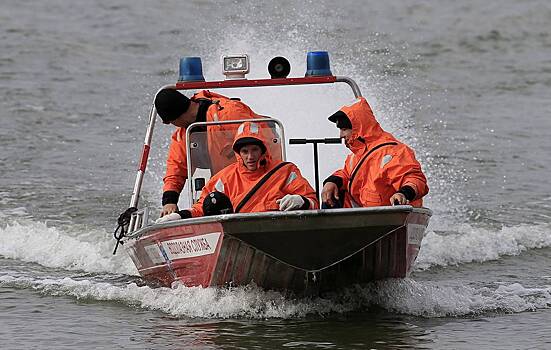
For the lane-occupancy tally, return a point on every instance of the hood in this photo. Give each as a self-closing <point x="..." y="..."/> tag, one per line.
<point x="366" y="131"/>
<point x="209" y="95"/>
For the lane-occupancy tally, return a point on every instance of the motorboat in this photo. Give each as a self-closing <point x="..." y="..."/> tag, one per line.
<point x="302" y="251"/>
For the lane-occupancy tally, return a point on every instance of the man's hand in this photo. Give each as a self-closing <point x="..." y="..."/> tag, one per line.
<point x="329" y="191"/>
<point x="398" y="199"/>
<point x="290" y="202"/>
<point x="169" y="209"/>
<point x="169" y="217"/>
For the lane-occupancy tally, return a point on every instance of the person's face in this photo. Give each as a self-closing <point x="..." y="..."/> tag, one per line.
<point x="250" y="154"/>
<point x="346" y="134"/>
<point x="182" y="121"/>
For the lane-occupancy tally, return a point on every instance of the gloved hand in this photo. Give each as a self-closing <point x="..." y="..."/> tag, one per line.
<point x="290" y="202"/>
<point x="169" y="217"/>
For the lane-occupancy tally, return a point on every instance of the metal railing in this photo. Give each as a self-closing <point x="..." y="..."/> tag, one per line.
<point x="221" y="84"/>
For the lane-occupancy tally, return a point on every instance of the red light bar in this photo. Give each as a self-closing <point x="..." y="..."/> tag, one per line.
<point x="184" y="85"/>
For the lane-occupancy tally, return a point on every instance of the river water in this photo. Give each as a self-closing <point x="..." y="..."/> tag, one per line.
<point x="467" y="84"/>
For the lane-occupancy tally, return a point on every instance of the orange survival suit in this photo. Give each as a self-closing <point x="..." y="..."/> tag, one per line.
<point x="220" y="151"/>
<point x="236" y="181"/>
<point x="379" y="165"/>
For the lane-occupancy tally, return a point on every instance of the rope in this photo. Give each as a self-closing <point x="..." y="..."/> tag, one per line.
<point x="123" y="222"/>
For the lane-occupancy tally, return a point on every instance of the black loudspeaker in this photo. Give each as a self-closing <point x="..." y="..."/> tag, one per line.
<point x="279" y="67"/>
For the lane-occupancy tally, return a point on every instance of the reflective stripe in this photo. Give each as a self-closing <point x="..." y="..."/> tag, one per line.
<point x="240" y="129"/>
<point x="219" y="186"/>
<point x="291" y="178"/>
<point x="387" y="158"/>
<point x="351" y="162"/>
<point x="253" y="128"/>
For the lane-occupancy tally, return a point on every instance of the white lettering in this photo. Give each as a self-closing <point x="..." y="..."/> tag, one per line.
<point x="192" y="246"/>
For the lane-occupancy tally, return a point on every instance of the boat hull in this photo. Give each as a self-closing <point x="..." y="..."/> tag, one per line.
<point x="303" y="251"/>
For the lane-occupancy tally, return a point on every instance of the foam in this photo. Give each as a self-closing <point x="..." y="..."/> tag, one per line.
<point x="475" y="244"/>
<point x="407" y="296"/>
<point x="90" y="251"/>
<point x="432" y="300"/>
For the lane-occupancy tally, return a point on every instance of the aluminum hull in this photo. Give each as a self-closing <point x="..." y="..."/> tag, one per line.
<point x="302" y="251"/>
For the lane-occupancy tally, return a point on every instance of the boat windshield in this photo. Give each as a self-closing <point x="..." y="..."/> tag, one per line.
<point x="210" y="148"/>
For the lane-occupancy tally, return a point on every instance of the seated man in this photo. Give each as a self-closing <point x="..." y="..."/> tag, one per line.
<point x="255" y="183"/>
<point x="380" y="171"/>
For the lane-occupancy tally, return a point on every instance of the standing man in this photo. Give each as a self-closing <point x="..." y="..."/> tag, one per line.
<point x="176" y="109"/>
<point x="380" y="170"/>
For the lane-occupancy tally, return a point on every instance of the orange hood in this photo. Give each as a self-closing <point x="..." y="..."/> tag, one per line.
<point x="366" y="131"/>
<point x="210" y="95"/>
<point x="251" y="133"/>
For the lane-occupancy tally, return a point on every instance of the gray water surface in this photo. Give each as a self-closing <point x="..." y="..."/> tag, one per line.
<point x="467" y="84"/>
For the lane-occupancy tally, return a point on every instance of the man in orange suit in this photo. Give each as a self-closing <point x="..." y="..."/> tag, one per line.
<point x="380" y="170"/>
<point x="176" y="109"/>
<point x="255" y="183"/>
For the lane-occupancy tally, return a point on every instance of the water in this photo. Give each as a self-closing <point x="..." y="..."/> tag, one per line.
<point x="466" y="84"/>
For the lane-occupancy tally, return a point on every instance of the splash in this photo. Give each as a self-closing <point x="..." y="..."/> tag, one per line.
<point x="472" y="244"/>
<point x="401" y="296"/>
<point x="48" y="246"/>
<point x="195" y="302"/>
<point x="431" y="300"/>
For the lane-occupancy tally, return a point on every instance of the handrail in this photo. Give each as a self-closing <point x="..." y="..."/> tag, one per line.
<point x="145" y="151"/>
<point x="239" y="83"/>
<point x="218" y="85"/>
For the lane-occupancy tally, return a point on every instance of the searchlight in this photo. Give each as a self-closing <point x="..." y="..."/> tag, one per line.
<point x="317" y="64"/>
<point x="191" y="69"/>
<point x="236" y="66"/>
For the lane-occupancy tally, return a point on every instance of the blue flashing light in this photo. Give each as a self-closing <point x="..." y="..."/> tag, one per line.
<point x="191" y="69"/>
<point x="317" y="64"/>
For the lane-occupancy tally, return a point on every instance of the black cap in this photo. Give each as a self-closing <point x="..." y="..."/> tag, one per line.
<point x="248" y="141"/>
<point x="341" y="119"/>
<point x="171" y="104"/>
<point x="216" y="203"/>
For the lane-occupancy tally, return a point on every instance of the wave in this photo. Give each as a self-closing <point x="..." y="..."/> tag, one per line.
<point x="88" y="251"/>
<point x="475" y="244"/>
<point x="432" y="300"/>
<point x="407" y="296"/>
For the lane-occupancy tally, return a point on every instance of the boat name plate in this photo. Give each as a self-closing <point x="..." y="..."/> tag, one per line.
<point x="191" y="246"/>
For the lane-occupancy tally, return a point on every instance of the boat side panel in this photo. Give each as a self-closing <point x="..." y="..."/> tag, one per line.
<point x="147" y="263"/>
<point x="186" y="254"/>
<point x="244" y="258"/>
<point x="417" y="225"/>
<point x="241" y="264"/>
<point x="226" y="262"/>
<point x="390" y="257"/>
<point x="258" y="268"/>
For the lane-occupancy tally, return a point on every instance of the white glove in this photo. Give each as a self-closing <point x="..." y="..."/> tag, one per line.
<point x="169" y="217"/>
<point x="290" y="202"/>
